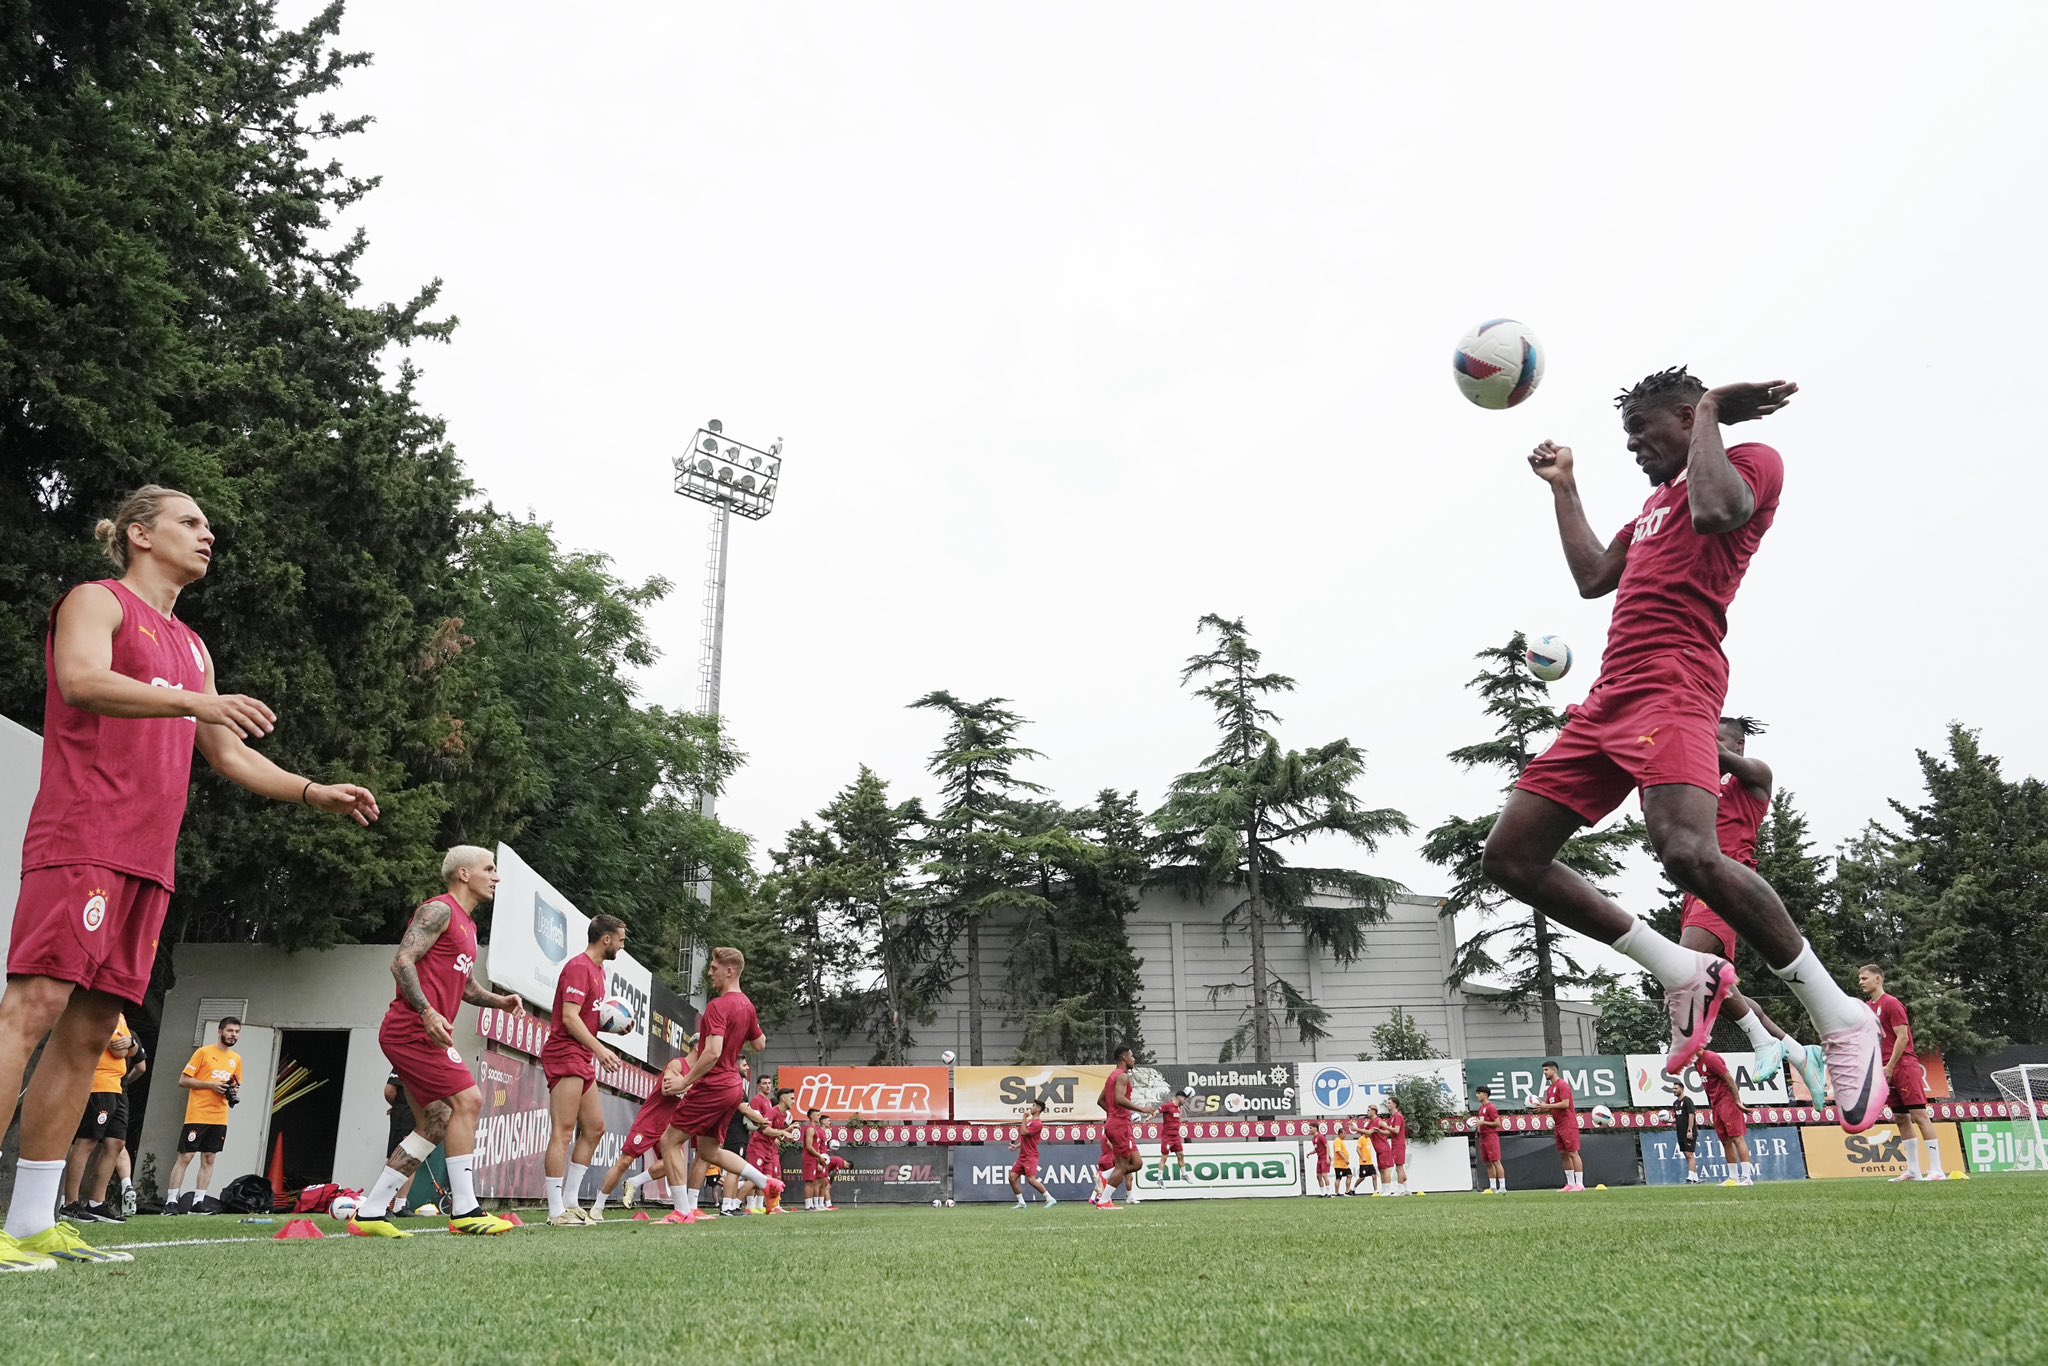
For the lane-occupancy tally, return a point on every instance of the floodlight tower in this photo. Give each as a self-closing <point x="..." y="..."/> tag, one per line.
<point x="732" y="477"/>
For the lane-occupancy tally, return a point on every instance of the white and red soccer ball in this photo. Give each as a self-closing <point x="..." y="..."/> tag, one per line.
<point x="1498" y="363"/>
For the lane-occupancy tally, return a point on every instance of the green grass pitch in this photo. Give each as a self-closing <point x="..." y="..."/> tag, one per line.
<point x="1833" y="1272"/>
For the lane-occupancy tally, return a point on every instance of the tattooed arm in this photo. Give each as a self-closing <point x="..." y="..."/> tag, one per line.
<point x="477" y="994"/>
<point x="429" y="922"/>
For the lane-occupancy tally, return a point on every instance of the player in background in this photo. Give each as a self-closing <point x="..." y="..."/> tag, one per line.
<point x="1650" y="723"/>
<point x="129" y="694"/>
<point x="1731" y="1125"/>
<point x="569" y="1060"/>
<point x="212" y="1082"/>
<point x="711" y="1088"/>
<point x="1908" y="1079"/>
<point x="1486" y="1122"/>
<point x="1172" y="1142"/>
<point x="739" y="1138"/>
<point x="1397" y="1146"/>
<point x="643" y="1136"/>
<point x="1340" y="1160"/>
<point x="817" y="1164"/>
<point x="1119" y="1141"/>
<point x="102" y="1133"/>
<point x="1026" y="1167"/>
<point x="1365" y="1172"/>
<point x="1381" y="1135"/>
<point x="1559" y="1103"/>
<point x="1320" y="1139"/>
<point x="1739" y="814"/>
<point x="433" y="972"/>
<point x="764" y="1143"/>
<point x="1685" y="1127"/>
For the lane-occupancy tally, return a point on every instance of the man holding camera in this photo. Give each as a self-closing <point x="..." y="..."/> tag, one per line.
<point x="213" y="1083"/>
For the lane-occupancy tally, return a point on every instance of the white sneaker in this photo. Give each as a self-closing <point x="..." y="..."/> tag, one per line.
<point x="1050" y="1202"/>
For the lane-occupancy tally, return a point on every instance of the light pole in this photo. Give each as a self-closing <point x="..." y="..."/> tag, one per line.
<point x="732" y="477"/>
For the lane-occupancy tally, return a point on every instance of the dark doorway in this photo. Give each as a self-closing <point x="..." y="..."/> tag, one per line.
<point x="310" y="1122"/>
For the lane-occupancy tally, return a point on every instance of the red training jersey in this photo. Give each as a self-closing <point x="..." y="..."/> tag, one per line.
<point x="1719" y="1082"/>
<point x="1169" y="1120"/>
<point x="1891" y="1014"/>
<point x="577" y="991"/>
<point x="1117" y="1114"/>
<point x="1677" y="583"/>
<point x="1397" y="1128"/>
<point x="444" y="968"/>
<point x="1490" y="1113"/>
<point x="1738" y="818"/>
<point x="1561" y="1091"/>
<point x="730" y="1017"/>
<point x="1027" y="1144"/>
<point x="113" y="788"/>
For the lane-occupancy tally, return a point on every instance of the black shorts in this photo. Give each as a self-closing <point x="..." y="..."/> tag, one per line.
<point x="1688" y="1145"/>
<point x="738" y="1136"/>
<point x="106" y="1116"/>
<point x="1368" y="1170"/>
<point x="202" y="1138"/>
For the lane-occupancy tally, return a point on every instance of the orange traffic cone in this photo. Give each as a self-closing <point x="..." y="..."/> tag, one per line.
<point x="299" y="1228"/>
<point x="277" y="1171"/>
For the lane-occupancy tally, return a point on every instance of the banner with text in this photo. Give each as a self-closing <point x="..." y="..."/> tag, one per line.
<point x="512" y="1130"/>
<point x="1879" y="1152"/>
<point x="1347" y="1088"/>
<point x="670" y="1020"/>
<point x="892" y="1093"/>
<point x="2003" y="1146"/>
<point x="1595" y="1080"/>
<point x="1227" y="1091"/>
<point x="1215" y="1171"/>
<point x="1000" y="1093"/>
<point x="1648" y="1091"/>
<point x="889" y="1176"/>
<point x="1776" y="1151"/>
<point x="534" y="929"/>
<point x="982" y="1173"/>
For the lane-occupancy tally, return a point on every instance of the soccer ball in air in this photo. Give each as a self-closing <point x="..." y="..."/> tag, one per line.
<point x="1602" y="1116"/>
<point x="947" y="1057"/>
<point x="1548" y="657"/>
<point x="614" y="1016"/>
<point x="344" y="1207"/>
<point x="833" y="1145"/>
<point x="1498" y="363"/>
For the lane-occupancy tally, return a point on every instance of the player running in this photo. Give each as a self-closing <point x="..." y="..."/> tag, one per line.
<point x="1172" y="1143"/>
<point x="1649" y="723"/>
<point x="1487" y="1123"/>
<point x="1119" y="1141"/>
<point x="433" y="968"/>
<point x="1559" y="1103"/>
<point x="1908" y="1079"/>
<point x="1026" y="1168"/>
<point x="1739" y="814"/>
<point x="130" y="691"/>
<point x="569" y="1060"/>
<point x="643" y="1136"/>
<point x="711" y="1089"/>
<point x="1731" y="1125"/>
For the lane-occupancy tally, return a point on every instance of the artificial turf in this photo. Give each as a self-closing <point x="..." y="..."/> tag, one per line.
<point x="1809" y="1271"/>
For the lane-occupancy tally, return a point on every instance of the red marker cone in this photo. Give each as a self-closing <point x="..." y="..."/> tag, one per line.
<point x="641" y="1218"/>
<point x="299" y="1228"/>
<point x="513" y="1219"/>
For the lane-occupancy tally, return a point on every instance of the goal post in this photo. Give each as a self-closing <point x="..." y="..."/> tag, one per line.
<point x="2025" y="1090"/>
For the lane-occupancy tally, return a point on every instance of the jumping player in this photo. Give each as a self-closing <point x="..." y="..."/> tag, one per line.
<point x="432" y="969"/>
<point x="711" y="1089"/>
<point x="1731" y="1125"/>
<point x="1908" y="1079"/>
<point x="1026" y="1145"/>
<point x="1559" y="1103"/>
<point x="569" y="1060"/>
<point x="1744" y="802"/>
<point x="1119" y="1141"/>
<point x="1649" y="723"/>
<point x="130" y="691"/>
<point x="1171" y="1143"/>
<point x="642" y="1137"/>
<point x="1487" y="1122"/>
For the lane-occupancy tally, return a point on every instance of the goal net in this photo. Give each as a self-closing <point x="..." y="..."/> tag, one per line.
<point x="2025" y="1090"/>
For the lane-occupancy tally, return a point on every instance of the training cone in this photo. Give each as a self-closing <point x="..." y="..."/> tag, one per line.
<point x="1601" y="1187"/>
<point x="299" y="1228"/>
<point x="641" y="1218"/>
<point x="277" y="1173"/>
<point x="513" y="1219"/>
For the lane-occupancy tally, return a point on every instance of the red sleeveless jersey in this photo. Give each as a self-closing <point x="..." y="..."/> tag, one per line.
<point x="113" y="788"/>
<point x="444" y="969"/>
<point x="1116" y="1115"/>
<point x="1740" y="815"/>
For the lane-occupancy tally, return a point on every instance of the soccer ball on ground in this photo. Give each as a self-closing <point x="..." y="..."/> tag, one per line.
<point x="947" y="1057"/>
<point x="1498" y="363"/>
<point x="614" y="1016"/>
<point x="1548" y="657"/>
<point x="949" y="1204"/>
<point x="344" y="1207"/>
<point x="1602" y="1116"/>
<point x="936" y="1203"/>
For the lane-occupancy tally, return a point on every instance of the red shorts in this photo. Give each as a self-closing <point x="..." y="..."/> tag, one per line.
<point x="567" y="1063"/>
<point x="1489" y="1147"/>
<point x="1567" y="1140"/>
<point x="1026" y="1167"/>
<point x="1119" y="1143"/>
<point x="1730" y="1122"/>
<point x="1696" y="914"/>
<point x="1382" y="1153"/>
<point x="1655" y="725"/>
<point x="1398" y="1152"/>
<point x="645" y="1134"/>
<point x="1172" y="1145"/>
<point x="1909" y="1085"/>
<point x="765" y="1154"/>
<point x="814" y="1170"/>
<point x="1322" y="1166"/>
<point x="708" y="1106"/>
<point x="85" y="925"/>
<point x="428" y="1071"/>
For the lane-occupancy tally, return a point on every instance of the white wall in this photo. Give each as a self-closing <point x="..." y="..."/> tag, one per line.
<point x="21" y="770"/>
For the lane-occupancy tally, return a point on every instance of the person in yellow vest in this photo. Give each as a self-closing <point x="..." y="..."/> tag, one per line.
<point x="1340" y="1158"/>
<point x="103" y="1132"/>
<point x="212" y="1082"/>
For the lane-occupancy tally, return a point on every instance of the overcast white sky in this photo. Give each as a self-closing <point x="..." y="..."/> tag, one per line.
<point x="1081" y="320"/>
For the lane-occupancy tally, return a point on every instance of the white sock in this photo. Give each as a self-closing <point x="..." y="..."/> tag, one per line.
<point x="1753" y="1029"/>
<point x="462" y="1184"/>
<point x="690" y="1200"/>
<point x="597" y="1205"/>
<point x="38" y="1186"/>
<point x="1831" y="1008"/>
<point x="554" y="1188"/>
<point x="572" y="1184"/>
<point x="377" y="1203"/>
<point x="638" y="1179"/>
<point x="753" y="1174"/>
<point x="1912" y="1146"/>
<point x="1668" y="962"/>
<point x="1934" y="1157"/>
